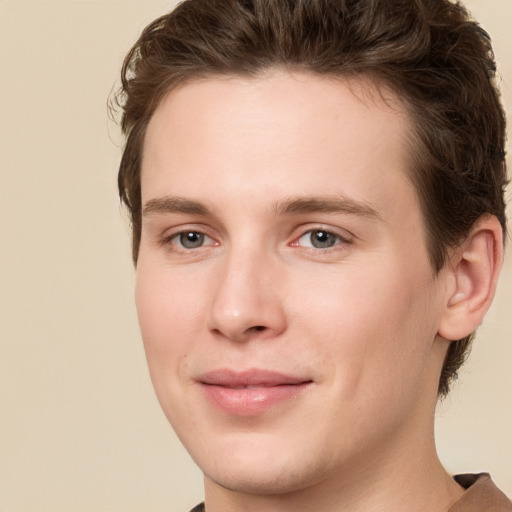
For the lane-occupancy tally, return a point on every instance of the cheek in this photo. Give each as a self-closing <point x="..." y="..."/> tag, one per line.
<point x="169" y="310"/>
<point x="372" y="327"/>
<point x="166" y="299"/>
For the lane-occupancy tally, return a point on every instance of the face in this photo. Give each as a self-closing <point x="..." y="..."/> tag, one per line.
<point x="286" y="301"/>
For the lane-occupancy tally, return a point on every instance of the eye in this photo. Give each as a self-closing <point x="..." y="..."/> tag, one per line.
<point x="320" y="239"/>
<point x="190" y="240"/>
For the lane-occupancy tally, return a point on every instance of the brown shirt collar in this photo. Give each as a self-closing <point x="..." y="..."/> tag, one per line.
<point x="481" y="495"/>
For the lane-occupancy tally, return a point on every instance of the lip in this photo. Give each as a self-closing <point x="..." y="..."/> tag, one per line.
<point x="251" y="392"/>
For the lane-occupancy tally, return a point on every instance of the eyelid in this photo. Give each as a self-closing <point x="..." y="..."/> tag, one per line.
<point x="344" y="238"/>
<point x="342" y="233"/>
<point x="204" y="240"/>
<point x="172" y="233"/>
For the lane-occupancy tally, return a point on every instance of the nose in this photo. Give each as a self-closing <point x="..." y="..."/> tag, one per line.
<point x="247" y="300"/>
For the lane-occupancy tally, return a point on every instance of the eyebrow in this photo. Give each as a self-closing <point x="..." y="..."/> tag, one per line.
<point x="336" y="204"/>
<point x="170" y="204"/>
<point x="301" y="205"/>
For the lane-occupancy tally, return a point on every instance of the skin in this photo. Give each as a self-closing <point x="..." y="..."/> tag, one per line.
<point x="360" y="320"/>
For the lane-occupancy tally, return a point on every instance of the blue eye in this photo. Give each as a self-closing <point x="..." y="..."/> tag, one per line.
<point x="191" y="239"/>
<point x="319" y="239"/>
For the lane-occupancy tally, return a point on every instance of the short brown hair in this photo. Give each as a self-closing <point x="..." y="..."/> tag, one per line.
<point x="437" y="60"/>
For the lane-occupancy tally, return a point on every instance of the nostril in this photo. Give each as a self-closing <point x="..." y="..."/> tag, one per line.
<point x="259" y="328"/>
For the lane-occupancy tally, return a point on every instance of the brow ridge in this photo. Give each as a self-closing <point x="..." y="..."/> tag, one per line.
<point x="328" y="204"/>
<point x="299" y="205"/>
<point x="171" y="204"/>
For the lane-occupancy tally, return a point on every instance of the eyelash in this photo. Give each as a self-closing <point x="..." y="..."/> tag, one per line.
<point x="176" y="240"/>
<point x="168" y="240"/>
<point x="337" y="239"/>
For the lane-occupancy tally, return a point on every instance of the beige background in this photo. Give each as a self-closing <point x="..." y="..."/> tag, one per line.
<point x="80" y="429"/>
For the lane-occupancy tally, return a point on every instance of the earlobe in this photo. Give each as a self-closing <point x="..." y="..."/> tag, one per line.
<point x="474" y="269"/>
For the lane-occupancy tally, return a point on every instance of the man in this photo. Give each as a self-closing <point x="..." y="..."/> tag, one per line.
<point x="316" y="194"/>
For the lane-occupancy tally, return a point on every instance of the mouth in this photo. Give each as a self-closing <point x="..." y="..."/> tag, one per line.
<point x="252" y="392"/>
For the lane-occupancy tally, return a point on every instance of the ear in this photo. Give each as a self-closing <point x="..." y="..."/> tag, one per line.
<point x="473" y="272"/>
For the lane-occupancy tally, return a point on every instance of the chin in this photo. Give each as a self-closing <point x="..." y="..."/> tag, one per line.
<point x="274" y="469"/>
<point x="259" y="480"/>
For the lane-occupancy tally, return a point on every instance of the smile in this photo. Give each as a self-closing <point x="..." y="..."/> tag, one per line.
<point x="249" y="393"/>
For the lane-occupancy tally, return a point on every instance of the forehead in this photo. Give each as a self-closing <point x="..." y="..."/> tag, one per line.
<point x="295" y="133"/>
<point x="278" y="97"/>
